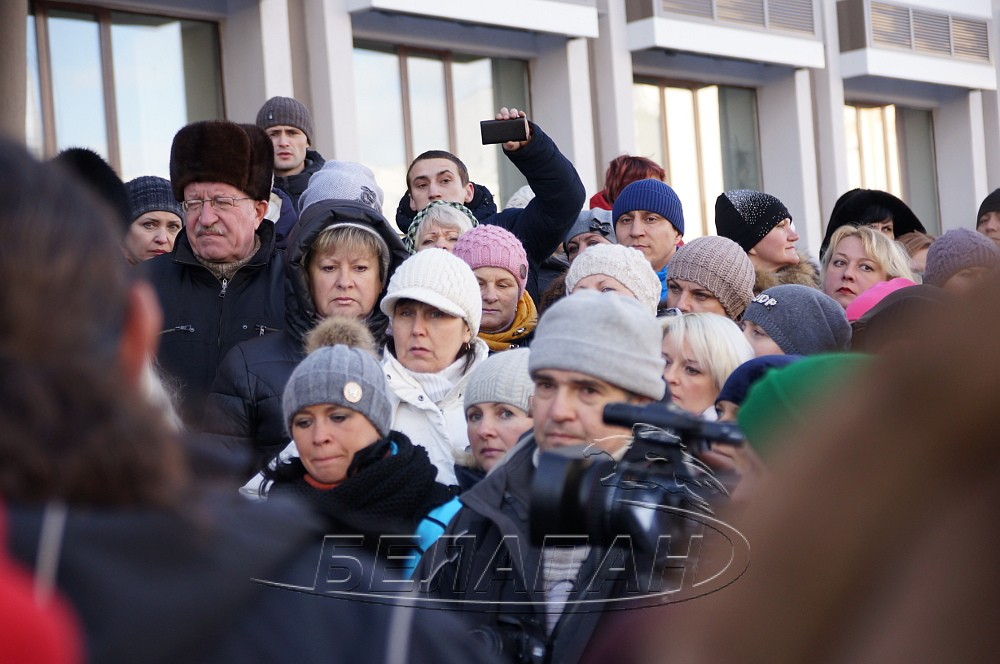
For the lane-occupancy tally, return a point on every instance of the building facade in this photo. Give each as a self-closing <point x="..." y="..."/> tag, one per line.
<point x="804" y="99"/>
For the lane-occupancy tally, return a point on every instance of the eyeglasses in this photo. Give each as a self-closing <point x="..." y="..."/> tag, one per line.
<point x="194" y="205"/>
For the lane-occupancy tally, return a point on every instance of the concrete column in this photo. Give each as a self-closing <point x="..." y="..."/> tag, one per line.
<point x="831" y="140"/>
<point x="13" y="75"/>
<point x="612" y="85"/>
<point x="330" y="46"/>
<point x="276" y="44"/>
<point x="788" y="152"/>
<point x="960" y="150"/>
<point x="243" y="60"/>
<point x="991" y="113"/>
<point x="561" y="102"/>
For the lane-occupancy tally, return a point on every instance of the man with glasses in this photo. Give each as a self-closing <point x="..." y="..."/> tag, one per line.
<point x="223" y="281"/>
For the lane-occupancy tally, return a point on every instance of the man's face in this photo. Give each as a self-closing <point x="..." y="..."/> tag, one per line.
<point x="989" y="225"/>
<point x="290" y="146"/>
<point x="222" y="233"/>
<point x="569" y="410"/>
<point x="437" y="180"/>
<point x="650" y="233"/>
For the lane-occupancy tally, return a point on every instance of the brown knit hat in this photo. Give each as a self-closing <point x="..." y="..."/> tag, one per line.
<point x="720" y="265"/>
<point x="220" y="151"/>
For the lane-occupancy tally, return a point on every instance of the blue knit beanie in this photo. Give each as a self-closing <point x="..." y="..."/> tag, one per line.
<point x="652" y="196"/>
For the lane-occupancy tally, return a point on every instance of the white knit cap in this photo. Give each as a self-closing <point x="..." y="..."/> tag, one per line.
<point x="625" y="264"/>
<point x="342" y="181"/>
<point x="442" y="280"/>
<point x="502" y="378"/>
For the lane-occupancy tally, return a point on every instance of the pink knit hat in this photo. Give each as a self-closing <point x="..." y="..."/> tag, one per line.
<point x="487" y="245"/>
<point x="862" y="303"/>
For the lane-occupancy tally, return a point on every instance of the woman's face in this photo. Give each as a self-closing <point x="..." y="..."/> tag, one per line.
<point x="498" y="290"/>
<point x="691" y="386"/>
<point x="426" y="340"/>
<point x="851" y="271"/>
<point x="776" y="249"/>
<point x="327" y="437"/>
<point x="344" y="283"/>
<point x="493" y="429"/>
<point x="602" y="283"/>
<point x="759" y="339"/>
<point x="434" y="234"/>
<point x="150" y="235"/>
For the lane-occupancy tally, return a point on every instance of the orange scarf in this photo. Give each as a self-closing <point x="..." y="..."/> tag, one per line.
<point x="525" y="320"/>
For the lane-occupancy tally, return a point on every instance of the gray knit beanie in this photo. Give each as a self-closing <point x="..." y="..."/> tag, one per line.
<point x="956" y="250"/>
<point x="603" y="335"/>
<point x="592" y="221"/>
<point x="288" y="112"/>
<point x="721" y="266"/>
<point x="442" y="280"/>
<point x="800" y="319"/>
<point x="340" y="375"/>
<point x="342" y="181"/>
<point x="150" y="193"/>
<point x="626" y="265"/>
<point x="502" y="378"/>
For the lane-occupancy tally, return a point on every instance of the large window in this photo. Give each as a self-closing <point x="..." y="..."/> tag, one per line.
<point x="705" y="137"/>
<point x="410" y="101"/>
<point x="892" y="148"/>
<point x="119" y="83"/>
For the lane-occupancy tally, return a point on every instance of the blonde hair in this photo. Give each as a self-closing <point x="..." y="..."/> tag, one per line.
<point x="354" y="240"/>
<point x="889" y="255"/>
<point x="716" y="342"/>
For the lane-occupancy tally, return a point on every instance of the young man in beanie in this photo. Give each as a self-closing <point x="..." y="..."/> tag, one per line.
<point x="648" y="216"/>
<point x="223" y="282"/>
<point x="559" y="194"/>
<point x="289" y="125"/>
<point x="579" y="364"/>
<point x="711" y="274"/>
<point x="988" y="219"/>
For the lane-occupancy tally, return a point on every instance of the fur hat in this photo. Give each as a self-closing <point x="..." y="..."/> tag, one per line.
<point x="626" y="265"/>
<point x="440" y="279"/>
<point x="801" y="320"/>
<point x="856" y="206"/>
<point x="218" y="151"/>
<point x="341" y="330"/>
<point x="720" y="265"/>
<point x="502" y="378"/>
<point x="150" y="193"/>
<point x="343" y="181"/>
<point x="97" y="175"/>
<point x="652" y="196"/>
<point x="288" y="112"/>
<point x="493" y="246"/>
<point x="340" y="375"/>
<point x="607" y="336"/>
<point x="746" y="216"/>
<point x="956" y="250"/>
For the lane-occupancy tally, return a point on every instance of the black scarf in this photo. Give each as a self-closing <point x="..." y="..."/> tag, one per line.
<point x="383" y="493"/>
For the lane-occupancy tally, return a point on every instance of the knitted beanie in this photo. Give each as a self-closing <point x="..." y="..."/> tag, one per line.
<point x="493" y="246"/>
<point x="150" y="193"/>
<point x="502" y="378"/>
<point x="592" y="221"/>
<point x="603" y="335"/>
<point x="340" y="375"/>
<point x="863" y="303"/>
<point x="625" y="264"/>
<point x="800" y="319"/>
<point x="720" y="265"/>
<point x="956" y="250"/>
<point x="744" y="376"/>
<point x="439" y="279"/>
<point x="746" y="216"/>
<point x="342" y="181"/>
<point x="240" y="155"/>
<point x="652" y="196"/>
<point x="410" y="239"/>
<point x="990" y="204"/>
<point x="288" y="112"/>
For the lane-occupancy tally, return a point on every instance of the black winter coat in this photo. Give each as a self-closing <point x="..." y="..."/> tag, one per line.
<point x="559" y="197"/>
<point x="244" y="406"/>
<point x="204" y="318"/>
<point x="294" y="185"/>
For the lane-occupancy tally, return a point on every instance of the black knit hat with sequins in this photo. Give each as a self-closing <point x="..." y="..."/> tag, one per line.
<point x="746" y="216"/>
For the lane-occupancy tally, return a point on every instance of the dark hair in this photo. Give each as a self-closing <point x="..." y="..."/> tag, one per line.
<point x="463" y="172"/>
<point x="73" y="428"/>
<point x="626" y="169"/>
<point x="873" y="214"/>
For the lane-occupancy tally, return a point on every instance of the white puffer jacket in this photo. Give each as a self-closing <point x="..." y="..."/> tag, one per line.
<point x="438" y="427"/>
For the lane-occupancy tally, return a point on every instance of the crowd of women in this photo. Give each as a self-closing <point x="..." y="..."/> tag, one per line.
<point x="401" y="377"/>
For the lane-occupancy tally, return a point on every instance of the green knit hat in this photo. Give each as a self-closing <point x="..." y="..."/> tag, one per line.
<point x="785" y="397"/>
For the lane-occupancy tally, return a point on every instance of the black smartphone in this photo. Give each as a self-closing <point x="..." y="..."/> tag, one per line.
<point x="501" y="131"/>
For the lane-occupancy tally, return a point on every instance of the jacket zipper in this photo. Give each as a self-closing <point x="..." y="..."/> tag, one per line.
<point x="179" y="328"/>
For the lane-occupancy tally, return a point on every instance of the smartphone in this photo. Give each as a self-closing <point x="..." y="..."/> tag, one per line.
<point x="501" y="131"/>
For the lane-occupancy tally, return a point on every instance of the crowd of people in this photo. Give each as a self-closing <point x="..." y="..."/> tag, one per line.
<point x="210" y="379"/>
